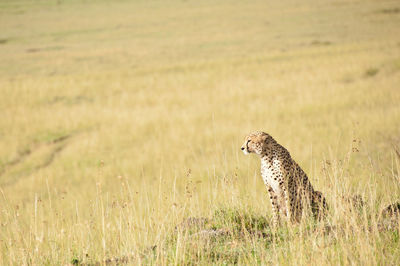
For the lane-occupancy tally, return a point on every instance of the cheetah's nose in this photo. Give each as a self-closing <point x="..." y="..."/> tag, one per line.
<point x="242" y="148"/>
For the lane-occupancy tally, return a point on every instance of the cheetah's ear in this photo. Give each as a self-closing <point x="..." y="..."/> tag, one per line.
<point x="264" y="138"/>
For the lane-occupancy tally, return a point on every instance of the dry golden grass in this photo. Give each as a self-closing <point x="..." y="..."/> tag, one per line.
<point x="119" y="120"/>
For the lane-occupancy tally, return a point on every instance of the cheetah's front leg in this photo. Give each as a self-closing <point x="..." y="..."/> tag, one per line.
<point x="275" y="206"/>
<point x="285" y="203"/>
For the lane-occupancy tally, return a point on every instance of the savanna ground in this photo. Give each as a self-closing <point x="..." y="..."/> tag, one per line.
<point x="122" y="119"/>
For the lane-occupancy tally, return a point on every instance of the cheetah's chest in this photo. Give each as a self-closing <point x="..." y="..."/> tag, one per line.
<point x="271" y="174"/>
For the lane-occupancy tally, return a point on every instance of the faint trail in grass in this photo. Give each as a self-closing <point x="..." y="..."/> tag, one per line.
<point x="20" y="158"/>
<point x="59" y="143"/>
<point x="50" y="48"/>
<point x="390" y="11"/>
<point x="51" y="157"/>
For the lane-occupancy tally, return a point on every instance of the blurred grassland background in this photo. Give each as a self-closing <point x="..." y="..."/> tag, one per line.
<point x="119" y="119"/>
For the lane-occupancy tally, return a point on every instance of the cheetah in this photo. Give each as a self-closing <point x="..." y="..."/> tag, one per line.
<point x="288" y="186"/>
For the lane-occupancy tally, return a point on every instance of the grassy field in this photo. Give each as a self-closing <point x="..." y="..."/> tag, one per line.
<point x="122" y="119"/>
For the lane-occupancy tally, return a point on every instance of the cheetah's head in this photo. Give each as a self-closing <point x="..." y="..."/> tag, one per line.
<point x="256" y="142"/>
